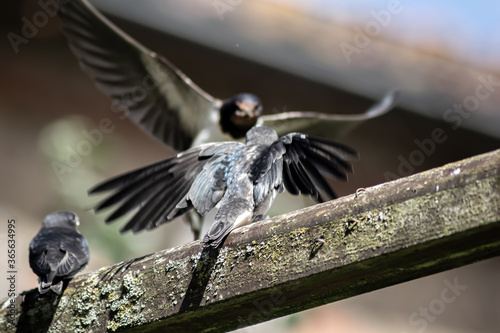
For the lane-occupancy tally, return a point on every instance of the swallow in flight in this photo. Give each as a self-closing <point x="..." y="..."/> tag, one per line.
<point x="166" y="104"/>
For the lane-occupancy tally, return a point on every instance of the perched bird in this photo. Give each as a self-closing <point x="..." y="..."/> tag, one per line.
<point x="165" y="103"/>
<point x="242" y="180"/>
<point x="58" y="251"/>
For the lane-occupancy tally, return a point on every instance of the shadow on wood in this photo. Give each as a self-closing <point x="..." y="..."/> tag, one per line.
<point x="199" y="280"/>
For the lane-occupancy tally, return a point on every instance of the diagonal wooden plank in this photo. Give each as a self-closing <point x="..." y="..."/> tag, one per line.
<point x="387" y="234"/>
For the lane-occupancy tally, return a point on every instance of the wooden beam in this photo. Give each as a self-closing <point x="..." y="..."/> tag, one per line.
<point x="387" y="234"/>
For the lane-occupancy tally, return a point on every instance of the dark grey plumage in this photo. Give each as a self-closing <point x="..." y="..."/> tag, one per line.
<point x="58" y="251"/>
<point x="165" y="103"/>
<point x="243" y="179"/>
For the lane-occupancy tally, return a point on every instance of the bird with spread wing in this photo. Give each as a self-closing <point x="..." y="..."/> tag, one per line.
<point x="240" y="180"/>
<point x="165" y="103"/>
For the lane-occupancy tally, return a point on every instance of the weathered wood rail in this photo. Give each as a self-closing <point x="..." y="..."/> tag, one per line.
<point x="387" y="234"/>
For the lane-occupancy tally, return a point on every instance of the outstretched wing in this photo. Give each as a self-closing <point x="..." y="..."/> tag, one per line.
<point x="323" y="124"/>
<point x="307" y="159"/>
<point x="153" y="92"/>
<point x="155" y="189"/>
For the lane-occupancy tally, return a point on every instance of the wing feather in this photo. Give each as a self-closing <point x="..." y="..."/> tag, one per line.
<point x="156" y="95"/>
<point x="308" y="159"/>
<point x="266" y="171"/>
<point x="157" y="190"/>
<point x="209" y="187"/>
<point x="323" y="124"/>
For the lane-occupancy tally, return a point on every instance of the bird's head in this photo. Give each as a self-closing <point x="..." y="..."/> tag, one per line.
<point x="240" y="113"/>
<point x="61" y="219"/>
<point x="261" y="135"/>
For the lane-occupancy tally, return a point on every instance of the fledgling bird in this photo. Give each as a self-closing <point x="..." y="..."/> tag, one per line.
<point x="165" y="103"/>
<point x="58" y="251"/>
<point x="242" y="180"/>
